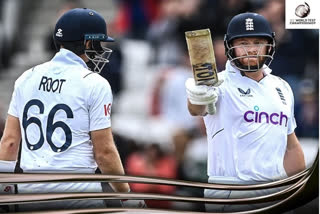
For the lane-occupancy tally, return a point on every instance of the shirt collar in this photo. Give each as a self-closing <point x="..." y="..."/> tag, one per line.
<point x="68" y="57"/>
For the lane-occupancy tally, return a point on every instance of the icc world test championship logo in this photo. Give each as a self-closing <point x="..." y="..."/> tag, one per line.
<point x="303" y="10"/>
<point x="302" y="20"/>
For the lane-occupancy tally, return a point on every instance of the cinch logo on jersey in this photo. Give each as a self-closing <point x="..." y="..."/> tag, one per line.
<point x="264" y="117"/>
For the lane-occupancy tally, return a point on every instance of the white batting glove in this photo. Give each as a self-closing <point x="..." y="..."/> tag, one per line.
<point x="201" y="94"/>
<point x="128" y="203"/>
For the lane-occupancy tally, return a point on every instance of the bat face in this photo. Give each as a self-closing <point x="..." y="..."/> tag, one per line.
<point x="204" y="74"/>
<point x="202" y="57"/>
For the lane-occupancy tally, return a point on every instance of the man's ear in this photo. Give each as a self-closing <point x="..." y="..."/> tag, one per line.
<point x="88" y="44"/>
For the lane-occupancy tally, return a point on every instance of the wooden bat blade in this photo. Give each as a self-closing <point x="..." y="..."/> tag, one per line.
<point x="202" y="56"/>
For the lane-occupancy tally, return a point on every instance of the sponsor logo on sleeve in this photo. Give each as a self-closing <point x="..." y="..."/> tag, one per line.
<point x="107" y="109"/>
<point x="281" y="96"/>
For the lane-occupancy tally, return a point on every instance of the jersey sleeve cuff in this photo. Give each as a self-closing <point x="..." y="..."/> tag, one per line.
<point x="14" y="114"/>
<point x="99" y="127"/>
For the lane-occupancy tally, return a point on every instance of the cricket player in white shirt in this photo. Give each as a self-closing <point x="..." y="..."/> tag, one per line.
<point x="61" y="110"/>
<point x="251" y="136"/>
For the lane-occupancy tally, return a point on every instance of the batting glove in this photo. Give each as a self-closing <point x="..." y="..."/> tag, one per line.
<point x="126" y="203"/>
<point x="201" y="94"/>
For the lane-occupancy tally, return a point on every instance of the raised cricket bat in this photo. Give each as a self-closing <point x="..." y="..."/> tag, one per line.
<point x="202" y="59"/>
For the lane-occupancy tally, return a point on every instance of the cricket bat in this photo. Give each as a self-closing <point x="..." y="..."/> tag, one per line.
<point x="202" y="59"/>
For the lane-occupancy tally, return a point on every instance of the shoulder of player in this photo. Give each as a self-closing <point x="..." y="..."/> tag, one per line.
<point x="280" y="81"/>
<point x="24" y="76"/>
<point x="222" y="75"/>
<point x="95" y="79"/>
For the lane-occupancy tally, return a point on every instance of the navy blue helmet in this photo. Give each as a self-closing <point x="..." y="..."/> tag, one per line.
<point x="249" y="25"/>
<point x="77" y="26"/>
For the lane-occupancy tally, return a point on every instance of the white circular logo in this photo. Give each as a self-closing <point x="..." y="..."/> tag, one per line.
<point x="303" y="10"/>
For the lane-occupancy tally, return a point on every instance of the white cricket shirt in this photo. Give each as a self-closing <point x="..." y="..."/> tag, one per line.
<point x="247" y="137"/>
<point x="58" y="103"/>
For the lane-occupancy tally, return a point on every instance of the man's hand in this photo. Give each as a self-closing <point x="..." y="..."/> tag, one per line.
<point x="201" y="94"/>
<point x="133" y="203"/>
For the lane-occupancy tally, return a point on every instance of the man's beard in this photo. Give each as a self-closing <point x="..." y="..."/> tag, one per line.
<point x="253" y="65"/>
<point x="253" y="61"/>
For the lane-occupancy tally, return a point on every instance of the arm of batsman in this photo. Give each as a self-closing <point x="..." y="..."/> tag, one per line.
<point x="201" y="94"/>
<point x="133" y="203"/>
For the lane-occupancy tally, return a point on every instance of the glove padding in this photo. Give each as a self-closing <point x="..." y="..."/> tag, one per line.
<point x="133" y="203"/>
<point x="201" y="94"/>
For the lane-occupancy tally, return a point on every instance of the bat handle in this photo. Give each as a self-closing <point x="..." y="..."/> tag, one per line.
<point x="211" y="109"/>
